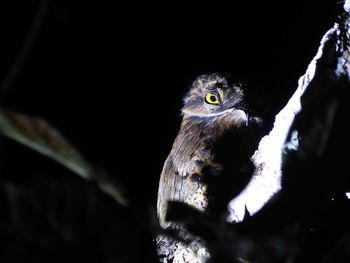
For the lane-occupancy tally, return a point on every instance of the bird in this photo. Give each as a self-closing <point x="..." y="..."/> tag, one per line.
<point x="209" y="152"/>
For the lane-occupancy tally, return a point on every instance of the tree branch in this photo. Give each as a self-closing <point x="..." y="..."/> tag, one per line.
<point x="311" y="102"/>
<point x="26" y="47"/>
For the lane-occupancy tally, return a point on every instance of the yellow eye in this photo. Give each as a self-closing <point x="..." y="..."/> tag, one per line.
<point x="211" y="99"/>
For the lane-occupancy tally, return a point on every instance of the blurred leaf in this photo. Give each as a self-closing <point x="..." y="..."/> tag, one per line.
<point x="39" y="135"/>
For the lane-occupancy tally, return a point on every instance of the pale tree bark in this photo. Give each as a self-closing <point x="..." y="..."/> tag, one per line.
<point x="268" y="158"/>
<point x="316" y="94"/>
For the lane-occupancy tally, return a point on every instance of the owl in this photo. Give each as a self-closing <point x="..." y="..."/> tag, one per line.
<point x="205" y="162"/>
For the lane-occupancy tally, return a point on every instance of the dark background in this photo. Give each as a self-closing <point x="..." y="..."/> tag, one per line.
<point x="111" y="78"/>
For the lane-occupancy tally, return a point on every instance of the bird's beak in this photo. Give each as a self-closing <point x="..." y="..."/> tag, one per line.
<point x="242" y="117"/>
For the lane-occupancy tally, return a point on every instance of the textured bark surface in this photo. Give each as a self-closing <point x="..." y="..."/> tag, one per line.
<point x="268" y="159"/>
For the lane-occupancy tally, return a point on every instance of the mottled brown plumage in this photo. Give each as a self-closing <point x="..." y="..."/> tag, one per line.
<point x="194" y="159"/>
<point x="208" y="163"/>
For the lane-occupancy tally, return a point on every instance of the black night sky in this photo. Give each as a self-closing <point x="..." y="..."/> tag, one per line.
<point x="111" y="77"/>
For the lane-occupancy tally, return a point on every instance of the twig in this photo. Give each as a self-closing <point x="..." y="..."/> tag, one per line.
<point x="29" y="42"/>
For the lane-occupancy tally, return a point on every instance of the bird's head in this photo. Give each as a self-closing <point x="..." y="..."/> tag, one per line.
<point x="215" y="95"/>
